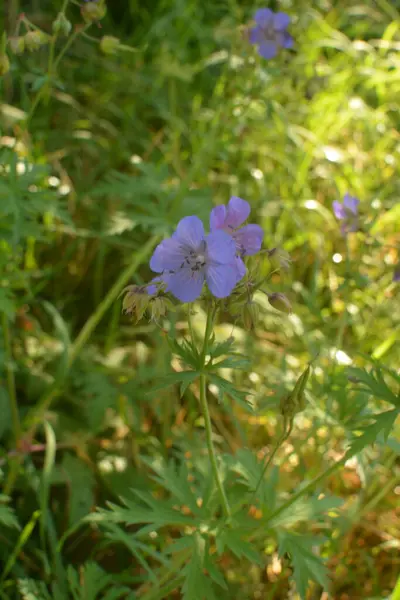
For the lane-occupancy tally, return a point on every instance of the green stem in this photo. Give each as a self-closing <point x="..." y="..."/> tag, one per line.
<point x="12" y="394"/>
<point x="210" y="446"/>
<point x="70" y="41"/>
<point x="306" y="489"/>
<point x="209" y="325"/>
<point x="53" y="64"/>
<point x="284" y="436"/>
<point x="206" y="413"/>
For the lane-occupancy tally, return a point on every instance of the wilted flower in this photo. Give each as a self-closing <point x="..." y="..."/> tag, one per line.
<point x="189" y="258"/>
<point x="248" y="239"/>
<point x="270" y="32"/>
<point x="280" y="302"/>
<point x="347" y="213"/>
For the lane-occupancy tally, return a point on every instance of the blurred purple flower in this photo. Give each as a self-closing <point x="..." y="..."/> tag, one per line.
<point x="396" y="274"/>
<point x="189" y="258"/>
<point x="347" y="213"/>
<point x="248" y="239"/>
<point x="270" y="32"/>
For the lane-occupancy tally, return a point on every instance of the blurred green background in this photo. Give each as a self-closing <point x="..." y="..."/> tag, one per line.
<point x="97" y="163"/>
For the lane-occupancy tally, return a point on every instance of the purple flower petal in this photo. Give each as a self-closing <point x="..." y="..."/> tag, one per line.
<point x="221" y="248"/>
<point x="166" y="256"/>
<point x="256" y="35"/>
<point x="152" y="287"/>
<point x="351" y="203"/>
<point x="249" y="239"/>
<point x="190" y="232"/>
<point x="185" y="284"/>
<point x="264" y="17"/>
<point x="237" y="213"/>
<point x="221" y="279"/>
<point x="281" y="21"/>
<point x="217" y="217"/>
<point x="339" y="210"/>
<point x="396" y="275"/>
<point x="285" y="40"/>
<point x="240" y="268"/>
<point x="267" y="49"/>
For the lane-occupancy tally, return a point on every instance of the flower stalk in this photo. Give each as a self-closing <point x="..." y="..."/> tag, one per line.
<point x="207" y="419"/>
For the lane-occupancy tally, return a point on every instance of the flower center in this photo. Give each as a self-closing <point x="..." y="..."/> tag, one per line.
<point x="194" y="260"/>
<point x="269" y="33"/>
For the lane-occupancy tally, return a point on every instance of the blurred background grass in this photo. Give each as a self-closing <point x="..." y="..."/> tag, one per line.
<point x="123" y="146"/>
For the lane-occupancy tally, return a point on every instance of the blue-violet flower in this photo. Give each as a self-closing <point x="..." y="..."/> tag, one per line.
<point x="347" y="213"/>
<point x="189" y="258"/>
<point x="248" y="239"/>
<point x="270" y="32"/>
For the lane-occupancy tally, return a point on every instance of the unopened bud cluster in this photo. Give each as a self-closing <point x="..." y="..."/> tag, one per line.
<point x="31" y="41"/>
<point x="138" y="301"/>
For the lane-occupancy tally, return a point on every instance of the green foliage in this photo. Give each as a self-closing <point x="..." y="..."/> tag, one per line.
<point x="92" y="582"/>
<point x="7" y="514"/>
<point x="197" y="584"/>
<point x="306" y="565"/>
<point x="109" y="487"/>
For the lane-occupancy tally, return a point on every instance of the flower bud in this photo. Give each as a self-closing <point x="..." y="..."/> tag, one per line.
<point x="61" y="25"/>
<point x="35" y="39"/>
<point x="295" y="401"/>
<point x="279" y="258"/>
<point x="136" y="301"/>
<point x="4" y="64"/>
<point x="17" y="44"/>
<point x="158" y="308"/>
<point x="251" y="313"/>
<point x="93" y="11"/>
<point x="109" y="44"/>
<point x="280" y="302"/>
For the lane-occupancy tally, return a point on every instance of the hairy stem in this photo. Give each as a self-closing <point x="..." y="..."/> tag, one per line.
<point x="210" y="446"/>
<point x="207" y="419"/>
